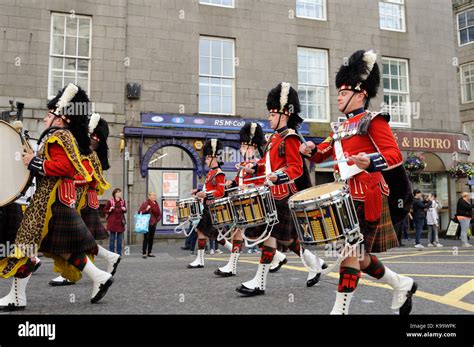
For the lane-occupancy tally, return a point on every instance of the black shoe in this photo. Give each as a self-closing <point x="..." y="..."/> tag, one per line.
<point x="144" y="256"/>
<point x="103" y="288"/>
<point x="151" y="255"/>
<point x="195" y="267"/>
<point x="64" y="282"/>
<point x="220" y="273"/>
<point x="37" y="266"/>
<point x="311" y="282"/>
<point x="115" y="266"/>
<point x="406" y="307"/>
<point x="185" y="248"/>
<point x="11" y="307"/>
<point x="283" y="262"/>
<point x="249" y="292"/>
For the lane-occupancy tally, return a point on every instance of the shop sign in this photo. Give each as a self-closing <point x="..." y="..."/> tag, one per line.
<point x="418" y="141"/>
<point x="201" y="122"/>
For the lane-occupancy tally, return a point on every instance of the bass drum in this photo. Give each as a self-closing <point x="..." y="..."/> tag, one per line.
<point x="15" y="178"/>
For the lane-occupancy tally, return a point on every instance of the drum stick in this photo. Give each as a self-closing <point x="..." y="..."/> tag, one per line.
<point x="232" y="189"/>
<point x="255" y="178"/>
<point x="333" y="162"/>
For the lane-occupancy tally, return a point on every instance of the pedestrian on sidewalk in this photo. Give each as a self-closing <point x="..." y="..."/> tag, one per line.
<point x="419" y="216"/>
<point x="150" y="206"/>
<point x="464" y="216"/>
<point x="115" y="210"/>
<point x="432" y="219"/>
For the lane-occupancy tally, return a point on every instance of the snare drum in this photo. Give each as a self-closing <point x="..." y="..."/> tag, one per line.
<point x="15" y="177"/>
<point x="254" y="207"/>
<point x="222" y="212"/>
<point x="324" y="214"/>
<point x="189" y="209"/>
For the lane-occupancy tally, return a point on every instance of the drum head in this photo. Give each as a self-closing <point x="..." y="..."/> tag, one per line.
<point x="15" y="177"/>
<point x="321" y="191"/>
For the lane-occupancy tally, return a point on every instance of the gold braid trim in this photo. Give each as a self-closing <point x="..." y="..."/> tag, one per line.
<point x="81" y="198"/>
<point x="97" y="174"/>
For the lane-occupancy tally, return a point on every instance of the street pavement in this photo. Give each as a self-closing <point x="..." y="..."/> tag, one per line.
<point x="163" y="285"/>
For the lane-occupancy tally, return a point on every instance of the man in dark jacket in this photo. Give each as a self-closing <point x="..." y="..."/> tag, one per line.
<point x="464" y="216"/>
<point x="419" y="215"/>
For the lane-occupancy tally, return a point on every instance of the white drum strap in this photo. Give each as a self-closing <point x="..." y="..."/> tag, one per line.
<point x="268" y="166"/>
<point x="345" y="170"/>
<point x="241" y="177"/>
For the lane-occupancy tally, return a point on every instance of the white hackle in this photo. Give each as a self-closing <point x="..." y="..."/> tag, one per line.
<point x="285" y="90"/>
<point x="93" y="122"/>
<point x="369" y="58"/>
<point x="214" y="147"/>
<point x="253" y="127"/>
<point x="69" y="93"/>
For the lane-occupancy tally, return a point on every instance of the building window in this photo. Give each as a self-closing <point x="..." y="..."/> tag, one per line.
<point x="70" y="52"/>
<point x="216" y="75"/>
<point x="311" y="9"/>
<point x="396" y="91"/>
<point x="467" y="83"/>
<point x="313" y="86"/>
<point x="221" y="3"/>
<point x="392" y="15"/>
<point x="466" y="27"/>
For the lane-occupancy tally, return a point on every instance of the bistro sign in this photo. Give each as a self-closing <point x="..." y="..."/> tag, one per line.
<point x="432" y="142"/>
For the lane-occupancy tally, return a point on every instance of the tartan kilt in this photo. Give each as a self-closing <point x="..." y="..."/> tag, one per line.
<point x="379" y="236"/>
<point x="205" y="224"/>
<point x="67" y="232"/>
<point x="91" y="218"/>
<point x="284" y="230"/>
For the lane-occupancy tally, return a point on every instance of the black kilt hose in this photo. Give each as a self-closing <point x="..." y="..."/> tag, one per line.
<point x="205" y="224"/>
<point x="284" y="230"/>
<point x="379" y="236"/>
<point x="91" y="218"/>
<point x="67" y="232"/>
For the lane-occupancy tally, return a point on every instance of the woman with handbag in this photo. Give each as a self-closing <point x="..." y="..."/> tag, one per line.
<point x="464" y="216"/>
<point x="150" y="206"/>
<point x="115" y="211"/>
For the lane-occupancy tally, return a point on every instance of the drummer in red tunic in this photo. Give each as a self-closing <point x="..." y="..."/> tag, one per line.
<point x="251" y="141"/>
<point x="87" y="193"/>
<point x="283" y="167"/>
<point x="362" y="133"/>
<point x="214" y="188"/>
<point x="51" y="221"/>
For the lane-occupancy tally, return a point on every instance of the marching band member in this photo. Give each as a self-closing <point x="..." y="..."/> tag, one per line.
<point x="87" y="193"/>
<point x="366" y="132"/>
<point x="51" y="220"/>
<point x="283" y="165"/>
<point x="214" y="188"/>
<point x="251" y="140"/>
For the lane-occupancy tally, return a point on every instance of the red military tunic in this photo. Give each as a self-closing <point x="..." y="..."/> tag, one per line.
<point x="215" y="183"/>
<point x="282" y="157"/>
<point x="365" y="132"/>
<point x="58" y="164"/>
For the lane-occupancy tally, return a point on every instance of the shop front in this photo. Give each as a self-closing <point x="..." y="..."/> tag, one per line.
<point x="439" y="150"/>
